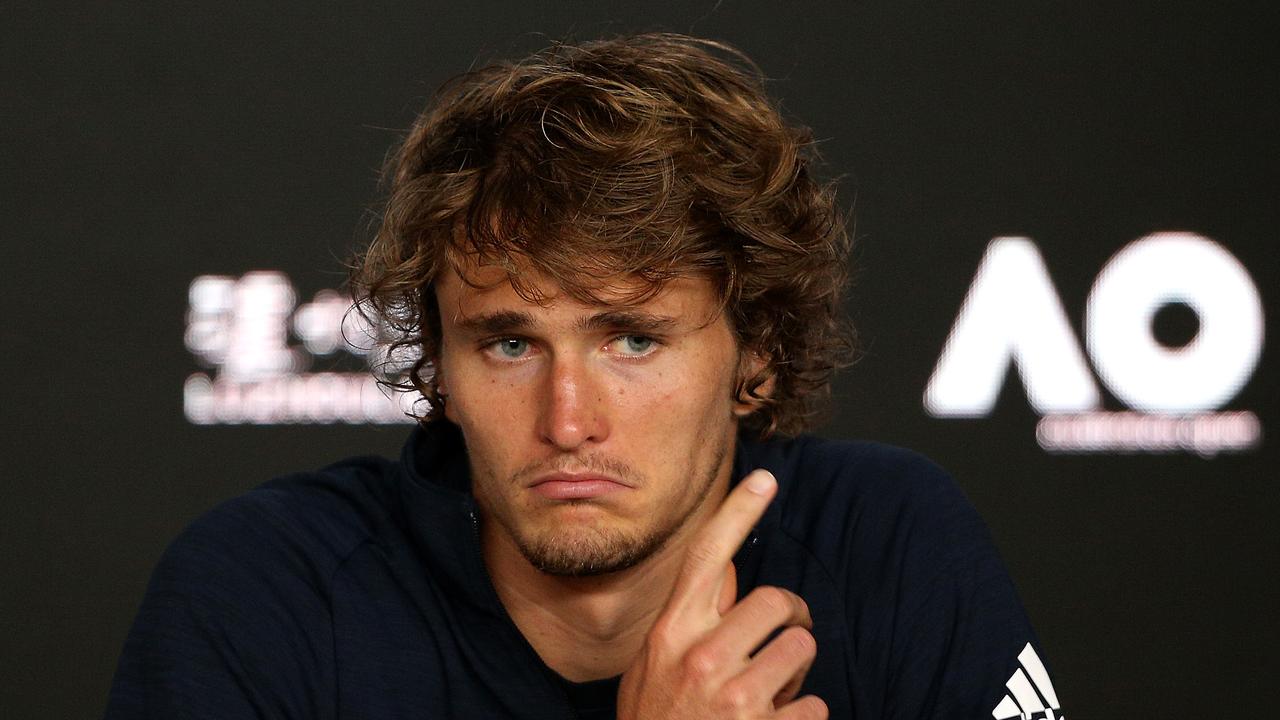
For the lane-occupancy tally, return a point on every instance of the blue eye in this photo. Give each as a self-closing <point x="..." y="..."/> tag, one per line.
<point x="512" y="347"/>
<point x="636" y="344"/>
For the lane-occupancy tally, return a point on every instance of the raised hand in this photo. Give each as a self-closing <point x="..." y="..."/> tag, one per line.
<point x="697" y="660"/>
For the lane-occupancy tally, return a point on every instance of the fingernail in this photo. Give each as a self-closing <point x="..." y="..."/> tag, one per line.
<point x="760" y="482"/>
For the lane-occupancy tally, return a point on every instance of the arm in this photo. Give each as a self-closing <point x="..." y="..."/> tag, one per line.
<point x="961" y="640"/>
<point x="234" y="624"/>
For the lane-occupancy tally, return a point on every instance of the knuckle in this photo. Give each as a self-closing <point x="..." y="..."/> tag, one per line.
<point x="793" y="648"/>
<point x="700" y="663"/>
<point x="664" y="634"/>
<point x="802" y="607"/>
<point x="815" y="708"/>
<point x="800" y="612"/>
<point x="735" y="697"/>
<point x="798" y="606"/>
<point x="775" y="600"/>
<point x="803" y="641"/>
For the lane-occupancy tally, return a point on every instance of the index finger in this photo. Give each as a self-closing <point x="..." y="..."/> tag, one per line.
<point x="715" y="545"/>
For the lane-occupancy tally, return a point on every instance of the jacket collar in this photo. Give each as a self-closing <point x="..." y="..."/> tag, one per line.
<point x="441" y="515"/>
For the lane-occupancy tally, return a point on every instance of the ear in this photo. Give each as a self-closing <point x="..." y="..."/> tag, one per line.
<point x="442" y="391"/>
<point x="750" y="364"/>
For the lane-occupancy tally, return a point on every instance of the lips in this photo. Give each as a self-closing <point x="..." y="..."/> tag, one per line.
<point x="566" y="486"/>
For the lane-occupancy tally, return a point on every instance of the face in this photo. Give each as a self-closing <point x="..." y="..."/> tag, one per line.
<point x="595" y="432"/>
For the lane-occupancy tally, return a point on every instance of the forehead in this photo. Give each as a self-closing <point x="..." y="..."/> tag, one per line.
<point x="477" y="290"/>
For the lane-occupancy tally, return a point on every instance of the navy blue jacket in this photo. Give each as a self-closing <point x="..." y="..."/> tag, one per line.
<point x="359" y="591"/>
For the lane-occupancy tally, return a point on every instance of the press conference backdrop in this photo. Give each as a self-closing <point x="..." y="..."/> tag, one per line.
<point x="1064" y="278"/>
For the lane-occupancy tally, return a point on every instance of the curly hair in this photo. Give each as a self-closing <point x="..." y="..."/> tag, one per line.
<point x="650" y="157"/>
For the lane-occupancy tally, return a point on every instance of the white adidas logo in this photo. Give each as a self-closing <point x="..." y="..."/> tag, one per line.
<point x="1023" y="700"/>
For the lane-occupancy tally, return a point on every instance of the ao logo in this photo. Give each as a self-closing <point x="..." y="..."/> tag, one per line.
<point x="1012" y="314"/>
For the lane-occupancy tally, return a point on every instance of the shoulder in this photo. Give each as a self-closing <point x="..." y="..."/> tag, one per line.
<point x="821" y="477"/>
<point x="822" y="465"/>
<point x="933" y="617"/>
<point x="238" y="614"/>
<point x="300" y="526"/>
<point x="871" y="507"/>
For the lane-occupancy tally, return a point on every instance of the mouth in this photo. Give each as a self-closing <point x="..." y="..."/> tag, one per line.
<point x="570" y="486"/>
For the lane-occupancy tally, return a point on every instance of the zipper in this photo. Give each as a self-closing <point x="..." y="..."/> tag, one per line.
<point x="748" y="547"/>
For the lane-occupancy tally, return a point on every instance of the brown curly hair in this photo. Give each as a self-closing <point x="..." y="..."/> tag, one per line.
<point x="651" y="156"/>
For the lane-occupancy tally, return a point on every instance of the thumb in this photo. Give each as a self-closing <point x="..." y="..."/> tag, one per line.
<point x="728" y="590"/>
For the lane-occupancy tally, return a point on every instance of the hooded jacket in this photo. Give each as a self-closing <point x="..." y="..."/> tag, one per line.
<point x="359" y="591"/>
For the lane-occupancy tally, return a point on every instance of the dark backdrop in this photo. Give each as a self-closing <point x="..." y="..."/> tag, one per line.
<point x="145" y="146"/>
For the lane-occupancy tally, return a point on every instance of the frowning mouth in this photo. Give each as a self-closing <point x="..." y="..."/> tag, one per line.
<point x="571" y="486"/>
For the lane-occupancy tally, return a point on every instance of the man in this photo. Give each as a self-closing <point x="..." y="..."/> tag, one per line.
<point x="621" y="286"/>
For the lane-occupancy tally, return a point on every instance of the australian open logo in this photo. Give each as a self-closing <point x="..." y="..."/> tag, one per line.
<point x="1174" y="392"/>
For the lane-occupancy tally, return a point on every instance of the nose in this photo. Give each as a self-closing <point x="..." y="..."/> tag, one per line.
<point x="572" y="412"/>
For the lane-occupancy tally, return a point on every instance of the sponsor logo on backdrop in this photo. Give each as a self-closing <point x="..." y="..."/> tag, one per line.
<point x="1174" y="395"/>
<point x="261" y="347"/>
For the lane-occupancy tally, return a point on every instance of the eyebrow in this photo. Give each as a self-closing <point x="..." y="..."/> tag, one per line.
<point x="637" y="320"/>
<point x="495" y="323"/>
<point x="511" y="321"/>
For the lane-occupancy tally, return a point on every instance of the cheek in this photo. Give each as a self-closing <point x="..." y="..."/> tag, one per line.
<point x="679" y="404"/>
<point x="489" y="410"/>
<point x="707" y="385"/>
<point x="476" y="391"/>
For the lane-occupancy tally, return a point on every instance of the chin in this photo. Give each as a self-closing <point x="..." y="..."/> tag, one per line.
<point x="589" y="552"/>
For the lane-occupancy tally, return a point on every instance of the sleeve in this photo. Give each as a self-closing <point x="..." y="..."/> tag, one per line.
<point x="961" y="644"/>
<point x="234" y="625"/>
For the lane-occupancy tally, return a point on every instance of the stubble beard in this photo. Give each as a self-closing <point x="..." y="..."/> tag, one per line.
<point x="599" y="550"/>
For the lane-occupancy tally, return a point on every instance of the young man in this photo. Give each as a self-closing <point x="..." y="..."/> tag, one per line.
<point x="621" y="285"/>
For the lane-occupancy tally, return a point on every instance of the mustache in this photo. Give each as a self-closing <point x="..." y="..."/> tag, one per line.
<point x="585" y="463"/>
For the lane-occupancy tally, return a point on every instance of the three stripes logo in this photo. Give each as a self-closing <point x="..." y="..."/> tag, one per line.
<point x="1030" y="692"/>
